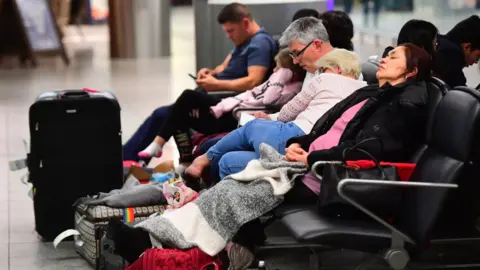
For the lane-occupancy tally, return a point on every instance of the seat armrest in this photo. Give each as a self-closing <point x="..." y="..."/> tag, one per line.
<point x="236" y="112"/>
<point x="223" y="94"/>
<point x="315" y="166"/>
<point x="398" y="237"/>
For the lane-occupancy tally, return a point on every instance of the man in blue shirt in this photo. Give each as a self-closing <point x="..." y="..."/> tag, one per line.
<point x="248" y="65"/>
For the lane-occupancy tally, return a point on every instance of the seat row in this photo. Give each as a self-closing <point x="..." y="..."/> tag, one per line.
<point x="439" y="201"/>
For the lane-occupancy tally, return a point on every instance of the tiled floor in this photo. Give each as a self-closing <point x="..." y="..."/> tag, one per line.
<point x="140" y="86"/>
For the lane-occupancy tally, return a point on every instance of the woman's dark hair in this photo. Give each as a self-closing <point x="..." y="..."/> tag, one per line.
<point x="420" y="33"/>
<point x="420" y="59"/>
<point x="339" y="27"/>
<point x="306" y="12"/>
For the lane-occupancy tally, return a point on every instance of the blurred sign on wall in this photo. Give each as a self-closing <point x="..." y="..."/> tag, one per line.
<point x="39" y="25"/>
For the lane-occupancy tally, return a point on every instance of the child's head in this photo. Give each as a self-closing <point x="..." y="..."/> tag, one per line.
<point x="284" y="60"/>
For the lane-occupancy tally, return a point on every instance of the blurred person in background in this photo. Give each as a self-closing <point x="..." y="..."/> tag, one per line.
<point x="458" y="49"/>
<point x="339" y="27"/>
<point x="306" y="12"/>
<point x="376" y="4"/>
<point x="418" y="32"/>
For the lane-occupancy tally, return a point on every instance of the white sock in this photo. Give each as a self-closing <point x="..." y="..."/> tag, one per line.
<point x="152" y="150"/>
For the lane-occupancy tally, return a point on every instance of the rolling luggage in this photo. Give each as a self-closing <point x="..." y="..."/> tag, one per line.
<point x="92" y="221"/>
<point x="75" y="150"/>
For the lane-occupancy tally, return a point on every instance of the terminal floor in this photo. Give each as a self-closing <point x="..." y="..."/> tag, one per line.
<point x="140" y="85"/>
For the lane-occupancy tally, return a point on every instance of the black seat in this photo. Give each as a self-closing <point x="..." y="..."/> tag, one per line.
<point x="436" y="90"/>
<point x="369" y="71"/>
<point x="453" y="131"/>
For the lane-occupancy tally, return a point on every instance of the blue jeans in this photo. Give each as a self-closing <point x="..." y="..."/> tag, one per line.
<point x="247" y="139"/>
<point x="145" y="134"/>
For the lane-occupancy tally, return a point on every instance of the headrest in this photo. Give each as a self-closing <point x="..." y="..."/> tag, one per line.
<point x="369" y="72"/>
<point x="436" y="91"/>
<point x="455" y="123"/>
<point x="441" y="85"/>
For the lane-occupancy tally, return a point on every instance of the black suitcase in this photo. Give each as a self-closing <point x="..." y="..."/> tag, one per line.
<point x="76" y="150"/>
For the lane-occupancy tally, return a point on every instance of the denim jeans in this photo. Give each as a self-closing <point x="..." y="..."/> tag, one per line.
<point x="248" y="139"/>
<point x="145" y="134"/>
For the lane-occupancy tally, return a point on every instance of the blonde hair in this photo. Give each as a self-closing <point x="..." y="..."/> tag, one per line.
<point x="347" y="61"/>
<point x="284" y="59"/>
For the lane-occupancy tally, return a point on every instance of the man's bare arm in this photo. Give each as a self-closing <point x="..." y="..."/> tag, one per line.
<point x="256" y="75"/>
<point x="222" y="66"/>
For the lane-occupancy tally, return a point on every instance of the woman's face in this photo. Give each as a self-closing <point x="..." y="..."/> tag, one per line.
<point x="393" y="68"/>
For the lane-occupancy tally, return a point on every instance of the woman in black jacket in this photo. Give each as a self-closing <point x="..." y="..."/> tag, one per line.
<point x="394" y="112"/>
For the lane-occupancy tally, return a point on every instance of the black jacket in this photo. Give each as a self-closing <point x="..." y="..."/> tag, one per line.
<point x="396" y="115"/>
<point x="449" y="62"/>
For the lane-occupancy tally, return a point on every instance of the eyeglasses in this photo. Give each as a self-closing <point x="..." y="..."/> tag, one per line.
<point x="297" y="55"/>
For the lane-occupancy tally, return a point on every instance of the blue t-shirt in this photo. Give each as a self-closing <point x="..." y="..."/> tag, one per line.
<point x="260" y="50"/>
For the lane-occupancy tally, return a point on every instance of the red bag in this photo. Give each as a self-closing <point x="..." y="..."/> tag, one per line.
<point x="175" y="259"/>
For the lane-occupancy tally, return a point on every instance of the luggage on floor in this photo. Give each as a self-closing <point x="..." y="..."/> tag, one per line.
<point x="76" y="150"/>
<point x="192" y="259"/>
<point x="91" y="222"/>
<point x="107" y="258"/>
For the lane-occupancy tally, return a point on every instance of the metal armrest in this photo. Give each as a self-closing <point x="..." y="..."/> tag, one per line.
<point x="314" y="170"/>
<point x="396" y="234"/>
<point x="238" y="110"/>
<point x="224" y="94"/>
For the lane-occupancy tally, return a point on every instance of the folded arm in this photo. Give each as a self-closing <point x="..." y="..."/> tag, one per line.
<point x="394" y="134"/>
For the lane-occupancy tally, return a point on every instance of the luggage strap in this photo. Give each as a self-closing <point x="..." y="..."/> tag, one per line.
<point x="20" y="164"/>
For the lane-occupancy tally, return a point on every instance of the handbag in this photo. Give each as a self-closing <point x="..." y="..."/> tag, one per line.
<point x="380" y="199"/>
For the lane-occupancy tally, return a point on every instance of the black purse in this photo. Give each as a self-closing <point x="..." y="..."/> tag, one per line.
<point x="380" y="199"/>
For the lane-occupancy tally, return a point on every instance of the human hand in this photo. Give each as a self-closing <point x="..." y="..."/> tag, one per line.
<point x="209" y="83"/>
<point x="261" y="115"/>
<point x="204" y="72"/>
<point x="293" y="147"/>
<point x="295" y="153"/>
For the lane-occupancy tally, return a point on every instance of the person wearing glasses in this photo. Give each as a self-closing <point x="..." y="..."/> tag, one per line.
<point x="308" y="41"/>
<point x="337" y="78"/>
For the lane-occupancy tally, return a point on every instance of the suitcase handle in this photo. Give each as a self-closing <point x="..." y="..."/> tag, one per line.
<point x="75" y="94"/>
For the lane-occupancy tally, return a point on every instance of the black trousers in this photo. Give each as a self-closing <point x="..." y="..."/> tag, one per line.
<point x="251" y="233"/>
<point x="192" y="111"/>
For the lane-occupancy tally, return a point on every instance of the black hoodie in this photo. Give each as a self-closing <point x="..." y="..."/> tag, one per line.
<point x="449" y="62"/>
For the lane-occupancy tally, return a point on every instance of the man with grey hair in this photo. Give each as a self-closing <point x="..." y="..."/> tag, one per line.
<point x="307" y="39"/>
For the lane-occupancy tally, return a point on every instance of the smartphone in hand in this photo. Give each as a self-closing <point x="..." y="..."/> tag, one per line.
<point x="193" y="77"/>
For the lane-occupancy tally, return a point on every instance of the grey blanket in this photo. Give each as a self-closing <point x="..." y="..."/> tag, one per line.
<point x="212" y="220"/>
<point x="132" y="194"/>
